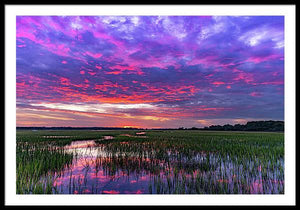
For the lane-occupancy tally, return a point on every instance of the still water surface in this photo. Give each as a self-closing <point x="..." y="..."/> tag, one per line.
<point x="94" y="171"/>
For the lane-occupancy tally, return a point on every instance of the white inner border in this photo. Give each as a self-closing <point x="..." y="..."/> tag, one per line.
<point x="11" y="11"/>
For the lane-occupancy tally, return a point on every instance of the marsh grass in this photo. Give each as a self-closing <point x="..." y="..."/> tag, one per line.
<point x="33" y="162"/>
<point x="174" y="162"/>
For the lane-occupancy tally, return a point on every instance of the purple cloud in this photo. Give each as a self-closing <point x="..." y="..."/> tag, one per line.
<point x="188" y="69"/>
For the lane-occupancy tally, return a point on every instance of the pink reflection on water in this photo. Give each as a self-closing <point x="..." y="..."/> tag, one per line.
<point x="98" y="175"/>
<point x="256" y="187"/>
<point x="95" y="171"/>
<point x="144" y="178"/>
<point x="84" y="172"/>
<point x="139" y="192"/>
<point x="80" y="144"/>
<point x="134" y="192"/>
<point x="86" y="191"/>
<point x="111" y="192"/>
<point x="57" y="182"/>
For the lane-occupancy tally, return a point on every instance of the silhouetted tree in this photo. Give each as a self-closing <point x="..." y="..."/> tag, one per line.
<point x="250" y="126"/>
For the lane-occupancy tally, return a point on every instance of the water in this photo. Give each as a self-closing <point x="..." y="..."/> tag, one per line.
<point x="97" y="170"/>
<point x="85" y="175"/>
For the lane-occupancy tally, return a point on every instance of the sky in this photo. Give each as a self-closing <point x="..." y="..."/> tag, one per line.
<point x="149" y="71"/>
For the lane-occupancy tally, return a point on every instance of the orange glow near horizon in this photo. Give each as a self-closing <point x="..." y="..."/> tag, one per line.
<point x="130" y="126"/>
<point x="148" y="71"/>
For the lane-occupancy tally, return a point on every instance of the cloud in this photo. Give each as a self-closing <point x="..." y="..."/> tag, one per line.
<point x="264" y="33"/>
<point x="155" y="71"/>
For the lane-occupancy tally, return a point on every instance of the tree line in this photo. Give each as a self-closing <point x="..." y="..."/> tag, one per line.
<point x="269" y="125"/>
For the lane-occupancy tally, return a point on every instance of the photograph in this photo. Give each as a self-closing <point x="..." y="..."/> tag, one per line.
<point x="150" y="104"/>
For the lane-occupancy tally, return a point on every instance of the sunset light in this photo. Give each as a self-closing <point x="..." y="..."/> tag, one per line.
<point x="149" y="71"/>
<point x="183" y="102"/>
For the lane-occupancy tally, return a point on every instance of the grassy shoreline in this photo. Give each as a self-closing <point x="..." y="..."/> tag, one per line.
<point x="248" y="155"/>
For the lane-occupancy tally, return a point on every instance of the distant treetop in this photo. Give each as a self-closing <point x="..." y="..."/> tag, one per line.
<point x="269" y="125"/>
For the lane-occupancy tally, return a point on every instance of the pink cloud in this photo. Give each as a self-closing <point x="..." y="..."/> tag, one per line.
<point x="256" y="59"/>
<point x="246" y="77"/>
<point x="218" y="83"/>
<point x="92" y="73"/>
<point x="134" y="69"/>
<point x="114" y="72"/>
<point x="97" y="34"/>
<point x="21" y="45"/>
<point x="94" y="55"/>
<point x="98" y="67"/>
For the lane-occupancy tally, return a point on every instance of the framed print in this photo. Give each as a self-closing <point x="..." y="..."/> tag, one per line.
<point x="143" y="105"/>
